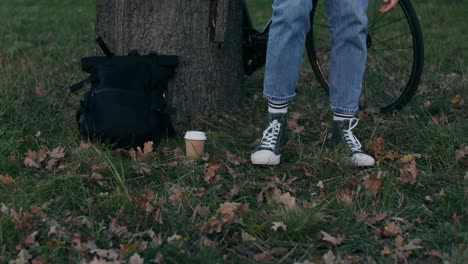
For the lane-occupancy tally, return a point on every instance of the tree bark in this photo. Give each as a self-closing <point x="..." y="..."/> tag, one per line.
<point x="205" y="34"/>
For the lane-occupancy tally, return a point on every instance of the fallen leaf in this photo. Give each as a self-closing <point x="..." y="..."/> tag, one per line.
<point x="385" y="251"/>
<point x="228" y="210"/>
<point x="378" y="146"/>
<point x="203" y="211"/>
<point x="334" y="240"/>
<point x="462" y="156"/>
<point x="84" y="145"/>
<point x="399" y="241"/>
<point x="31" y="239"/>
<point x="174" y="237"/>
<point x="178" y="152"/>
<point x="320" y="185"/>
<point x="391" y="229"/>
<point x="345" y="196"/>
<point x="28" y="162"/>
<point x="200" y="192"/>
<point x="158" y="259"/>
<point x="457" y="101"/>
<point x="213" y="225"/>
<point x="264" y="256"/>
<point x="408" y="169"/>
<point x="246" y="237"/>
<point x="234" y="159"/>
<point x="135" y="259"/>
<point x="434" y="253"/>
<point x="329" y="258"/>
<point x="287" y="200"/>
<point x="372" y="183"/>
<point x="57" y="153"/>
<point x="6" y="179"/>
<point x="277" y="225"/>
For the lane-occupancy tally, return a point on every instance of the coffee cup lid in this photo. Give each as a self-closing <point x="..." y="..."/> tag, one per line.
<point x="195" y="135"/>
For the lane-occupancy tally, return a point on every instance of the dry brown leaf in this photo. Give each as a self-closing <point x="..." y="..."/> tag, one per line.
<point x="204" y="241"/>
<point x="399" y="241"/>
<point x="213" y="225"/>
<point x="200" y="192"/>
<point x="264" y="256"/>
<point x="228" y="210"/>
<point x="345" y="196"/>
<point x="378" y="147"/>
<point x="158" y="259"/>
<point x="334" y="240"/>
<point x="28" y="162"/>
<point x="287" y="200"/>
<point x="234" y="159"/>
<point x="31" y="239"/>
<point x="57" y="153"/>
<point x="6" y="179"/>
<point x="84" y="145"/>
<point x="293" y="123"/>
<point x="372" y="183"/>
<point x="178" y="152"/>
<point x="210" y="174"/>
<point x="135" y="259"/>
<point x="391" y="229"/>
<point x="277" y="225"/>
<point x="427" y="103"/>
<point x="434" y="253"/>
<point x="381" y="216"/>
<point x="391" y="155"/>
<point x="408" y="169"/>
<point x="177" y="194"/>
<point x="174" y="237"/>
<point x="385" y="251"/>
<point x="462" y="156"/>
<point x="333" y="163"/>
<point x="203" y="211"/>
<point x="143" y="169"/>
<point x="329" y="258"/>
<point x="247" y="237"/>
<point x="457" y="101"/>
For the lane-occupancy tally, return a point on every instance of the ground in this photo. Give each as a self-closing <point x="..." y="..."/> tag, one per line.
<point x="64" y="199"/>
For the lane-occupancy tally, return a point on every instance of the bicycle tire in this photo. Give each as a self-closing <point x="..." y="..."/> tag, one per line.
<point x="400" y="96"/>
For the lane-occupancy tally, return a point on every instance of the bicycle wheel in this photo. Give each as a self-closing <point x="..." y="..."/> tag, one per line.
<point x="395" y="55"/>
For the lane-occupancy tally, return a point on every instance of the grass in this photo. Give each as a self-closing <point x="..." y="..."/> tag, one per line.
<point x="95" y="198"/>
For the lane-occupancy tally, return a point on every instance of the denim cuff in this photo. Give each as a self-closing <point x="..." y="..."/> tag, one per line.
<point x="343" y="110"/>
<point x="279" y="98"/>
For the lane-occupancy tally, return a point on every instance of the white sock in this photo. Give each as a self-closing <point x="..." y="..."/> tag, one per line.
<point x="278" y="107"/>
<point x="342" y="116"/>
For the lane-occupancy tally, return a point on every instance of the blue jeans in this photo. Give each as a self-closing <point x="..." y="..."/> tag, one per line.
<point x="290" y="24"/>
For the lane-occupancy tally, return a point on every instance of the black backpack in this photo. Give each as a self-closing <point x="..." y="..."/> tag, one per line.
<point x="125" y="106"/>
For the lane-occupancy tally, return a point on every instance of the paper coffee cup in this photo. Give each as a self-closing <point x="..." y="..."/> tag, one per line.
<point x="194" y="143"/>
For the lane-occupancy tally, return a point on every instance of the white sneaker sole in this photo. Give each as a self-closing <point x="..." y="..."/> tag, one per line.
<point x="361" y="160"/>
<point x="265" y="157"/>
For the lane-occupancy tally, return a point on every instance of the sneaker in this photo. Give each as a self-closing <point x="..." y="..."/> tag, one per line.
<point x="268" y="151"/>
<point x="343" y="132"/>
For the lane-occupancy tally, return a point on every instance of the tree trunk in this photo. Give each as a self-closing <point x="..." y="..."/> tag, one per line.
<point x="205" y="34"/>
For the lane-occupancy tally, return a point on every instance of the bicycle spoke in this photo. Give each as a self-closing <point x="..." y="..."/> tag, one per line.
<point x="381" y="26"/>
<point x="394" y="37"/>
<point x="396" y="52"/>
<point x="389" y="61"/>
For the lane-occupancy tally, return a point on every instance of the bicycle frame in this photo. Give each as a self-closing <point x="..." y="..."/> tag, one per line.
<point x="255" y="42"/>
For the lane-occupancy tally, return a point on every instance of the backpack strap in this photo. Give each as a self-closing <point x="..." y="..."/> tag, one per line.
<point x="77" y="86"/>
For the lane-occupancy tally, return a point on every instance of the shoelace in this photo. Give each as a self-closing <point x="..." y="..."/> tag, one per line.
<point x="350" y="138"/>
<point x="270" y="135"/>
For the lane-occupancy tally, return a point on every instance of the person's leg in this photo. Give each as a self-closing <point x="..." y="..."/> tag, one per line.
<point x="286" y="42"/>
<point x="348" y="28"/>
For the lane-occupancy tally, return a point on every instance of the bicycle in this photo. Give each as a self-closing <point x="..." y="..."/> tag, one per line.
<point x="394" y="63"/>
